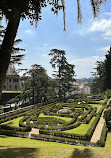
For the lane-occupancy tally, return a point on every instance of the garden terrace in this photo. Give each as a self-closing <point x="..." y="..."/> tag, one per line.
<point x="74" y="125"/>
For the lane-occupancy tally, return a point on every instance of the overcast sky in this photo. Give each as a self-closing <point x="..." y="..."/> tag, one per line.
<point x="84" y="44"/>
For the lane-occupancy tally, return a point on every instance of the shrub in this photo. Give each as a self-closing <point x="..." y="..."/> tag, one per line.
<point x="87" y="120"/>
<point x="101" y="142"/>
<point x="92" y="127"/>
<point x="61" y="140"/>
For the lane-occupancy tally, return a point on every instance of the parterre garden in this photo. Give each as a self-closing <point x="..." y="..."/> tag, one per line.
<point x="73" y="122"/>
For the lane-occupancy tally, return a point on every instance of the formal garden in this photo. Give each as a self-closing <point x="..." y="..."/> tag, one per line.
<point x="73" y="122"/>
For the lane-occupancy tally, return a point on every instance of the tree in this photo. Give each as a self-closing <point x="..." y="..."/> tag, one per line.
<point x="14" y="11"/>
<point x="64" y="71"/>
<point x="16" y="57"/>
<point x="102" y="80"/>
<point x="38" y="86"/>
<point x="35" y="84"/>
<point x="98" y="84"/>
<point x="107" y="70"/>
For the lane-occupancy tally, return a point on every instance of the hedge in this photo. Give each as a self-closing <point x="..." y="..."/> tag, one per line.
<point x="62" y="134"/>
<point x="21" y="122"/>
<point x="21" y="129"/>
<point x="85" y="115"/>
<point x="102" y="140"/>
<point x="92" y="127"/>
<point x="13" y="133"/>
<point x="61" y="140"/>
<point x="71" y="122"/>
<point x="88" y="118"/>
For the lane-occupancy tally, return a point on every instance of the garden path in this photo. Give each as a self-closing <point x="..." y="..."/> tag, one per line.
<point x="33" y="131"/>
<point x="97" y="133"/>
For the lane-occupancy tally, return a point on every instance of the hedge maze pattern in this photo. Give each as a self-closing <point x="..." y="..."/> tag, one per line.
<point x="57" y="121"/>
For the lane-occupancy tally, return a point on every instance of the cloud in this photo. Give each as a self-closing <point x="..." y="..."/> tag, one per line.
<point x="45" y="44"/>
<point x="107" y="13"/>
<point x="28" y="31"/>
<point x="103" y="26"/>
<point x="84" y="66"/>
<point x="103" y="48"/>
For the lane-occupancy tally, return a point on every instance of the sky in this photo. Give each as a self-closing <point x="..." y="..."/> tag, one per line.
<point x="84" y="43"/>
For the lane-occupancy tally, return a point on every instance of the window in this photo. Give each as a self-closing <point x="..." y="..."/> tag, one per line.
<point x="10" y="80"/>
<point x="4" y="86"/>
<point x="15" y="86"/>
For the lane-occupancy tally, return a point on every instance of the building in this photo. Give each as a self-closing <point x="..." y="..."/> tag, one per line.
<point x="86" y="89"/>
<point x="12" y="82"/>
<point x="82" y="88"/>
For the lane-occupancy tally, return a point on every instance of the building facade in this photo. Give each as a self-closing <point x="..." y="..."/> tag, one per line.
<point x="12" y="82"/>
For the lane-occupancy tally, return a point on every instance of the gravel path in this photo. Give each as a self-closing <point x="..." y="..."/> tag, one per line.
<point x="98" y="130"/>
<point x="33" y="131"/>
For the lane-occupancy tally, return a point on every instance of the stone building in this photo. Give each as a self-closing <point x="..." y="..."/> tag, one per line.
<point x="12" y="82"/>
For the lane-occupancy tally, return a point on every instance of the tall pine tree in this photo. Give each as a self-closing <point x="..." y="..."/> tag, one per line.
<point x="64" y="71"/>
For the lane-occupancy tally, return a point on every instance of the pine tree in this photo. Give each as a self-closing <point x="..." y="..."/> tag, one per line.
<point x="64" y="71"/>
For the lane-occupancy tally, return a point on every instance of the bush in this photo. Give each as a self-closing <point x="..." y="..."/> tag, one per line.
<point x="92" y="127"/>
<point x="87" y="120"/>
<point x="13" y="133"/>
<point x="61" y="140"/>
<point x="102" y="140"/>
<point x="62" y="134"/>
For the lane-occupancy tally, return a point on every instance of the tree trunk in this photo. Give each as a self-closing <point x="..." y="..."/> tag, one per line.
<point x="6" y="48"/>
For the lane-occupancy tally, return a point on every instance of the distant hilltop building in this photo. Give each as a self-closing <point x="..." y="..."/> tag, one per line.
<point x="82" y="88"/>
<point x="12" y="82"/>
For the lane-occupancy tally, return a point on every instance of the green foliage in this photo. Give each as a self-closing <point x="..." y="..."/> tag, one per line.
<point x="54" y="128"/>
<point x="102" y="140"/>
<point x="102" y="75"/>
<point x="107" y="117"/>
<point x="61" y="140"/>
<point x="47" y="122"/>
<point x="7" y="96"/>
<point x="108" y="93"/>
<point x="65" y="71"/>
<point x="38" y="87"/>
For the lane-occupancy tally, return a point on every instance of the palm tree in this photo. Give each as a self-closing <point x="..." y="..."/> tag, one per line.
<point x="14" y="11"/>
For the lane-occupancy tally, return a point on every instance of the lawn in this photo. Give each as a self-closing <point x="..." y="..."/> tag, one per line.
<point x="82" y="129"/>
<point x="101" y="101"/>
<point x="13" y="123"/>
<point x="96" y="105"/>
<point x="40" y="149"/>
<point x="16" y="147"/>
<point x="62" y="118"/>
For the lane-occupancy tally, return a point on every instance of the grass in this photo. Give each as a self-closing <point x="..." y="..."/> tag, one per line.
<point x="101" y="101"/>
<point x="25" y="147"/>
<point x="11" y="91"/>
<point x="82" y="129"/>
<point x="16" y="147"/>
<point x="108" y="140"/>
<point x="62" y="118"/>
<point x="13" y="123"/>
<point x="26" y="142"/>
<point x="96" y="105"/>
<point x="53" y="153"/>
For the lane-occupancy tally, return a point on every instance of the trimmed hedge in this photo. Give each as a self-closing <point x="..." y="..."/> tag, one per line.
<point x="102" y="140"/>
<point x="76" y="124"/>
<point x="92" y="114"/>
<point x="62" y="134"/>
<point x="61" y="140"/>
<point x="13" y="133"/>
<point x="21" y="129"/>
<point x="92" y="127"/>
